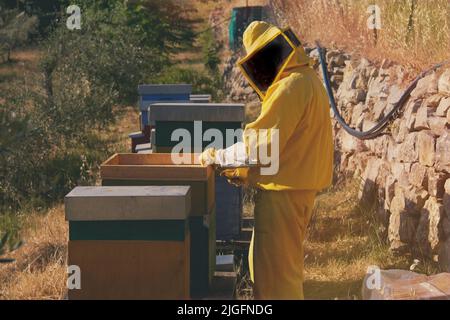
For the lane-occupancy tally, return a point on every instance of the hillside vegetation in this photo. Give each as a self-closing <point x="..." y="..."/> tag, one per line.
<point x="62" y="90"/>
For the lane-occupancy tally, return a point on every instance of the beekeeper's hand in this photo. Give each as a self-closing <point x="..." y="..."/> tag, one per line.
<point x="236" y="177"/>
<point x="208" y="157"/>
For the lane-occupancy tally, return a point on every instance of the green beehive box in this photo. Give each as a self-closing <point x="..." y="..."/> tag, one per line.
<point x="182" y="127"/>
<point x="196" y="119"/>
<point x="159" y="169"/>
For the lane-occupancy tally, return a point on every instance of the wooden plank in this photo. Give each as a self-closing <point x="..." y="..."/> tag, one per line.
<point x="113" y="160"/>
<point x="131" y="269"/>
<point x="160" y="159"/>
<point x="144" y="172"/>
<point x="128" y="203"/>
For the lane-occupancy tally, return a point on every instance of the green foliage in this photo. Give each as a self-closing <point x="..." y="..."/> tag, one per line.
<point x="202" y="82"/>
<point x="52" y="129"/>
<point x="15" y="30"/>
<point x="210" y="51"/>
<point x="9" y="235"/>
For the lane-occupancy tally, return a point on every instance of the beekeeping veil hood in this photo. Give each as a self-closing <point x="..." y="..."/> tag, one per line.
<point x="271" y="54"/>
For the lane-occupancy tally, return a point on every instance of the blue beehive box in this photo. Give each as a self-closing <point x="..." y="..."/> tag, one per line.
<point x="153" y="93"/>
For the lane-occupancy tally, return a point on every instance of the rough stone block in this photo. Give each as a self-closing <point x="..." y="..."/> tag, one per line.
<point x="418" y="175"/>
<point x="443" y="107"/>
<point x="426" y="148"/>
<point x="436" y="183"/>
<point x="438" y="126"/>
<point x="443" y="152"/>
<point x="402" y="226"/>
<point x="447" y="197"/>
<point x="444" y="83"/>
<point x="407" y="150"/>
<point x="429" y="230"/>
<point x="421" y="122"/>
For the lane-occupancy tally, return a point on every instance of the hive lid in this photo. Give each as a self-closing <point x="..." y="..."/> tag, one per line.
<point x="211" y="112"/>
<point x="147" y="89"/>
<point x="128" y="203"/>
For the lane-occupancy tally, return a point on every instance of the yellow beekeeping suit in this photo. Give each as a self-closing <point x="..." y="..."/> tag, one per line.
<point x="297" y="105"/>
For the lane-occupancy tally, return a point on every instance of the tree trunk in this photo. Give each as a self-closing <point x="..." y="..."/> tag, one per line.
<point x="410" y="32"/>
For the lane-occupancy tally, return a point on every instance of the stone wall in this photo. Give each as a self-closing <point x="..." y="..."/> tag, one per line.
<point x="407" y="169"/>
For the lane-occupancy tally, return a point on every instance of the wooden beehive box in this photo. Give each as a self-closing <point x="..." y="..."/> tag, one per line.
<point x="221" y="117"/>
<point x="130" y="242"/>
<point x="159" y="169"/>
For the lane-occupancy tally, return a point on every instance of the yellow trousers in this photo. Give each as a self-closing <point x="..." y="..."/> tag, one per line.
<point x="276" y="250"/>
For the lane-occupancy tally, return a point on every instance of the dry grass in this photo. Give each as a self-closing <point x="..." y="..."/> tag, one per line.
<point x="39" y="271"/>
<point x="342" y="242"/>
<point x="412" y="37"/>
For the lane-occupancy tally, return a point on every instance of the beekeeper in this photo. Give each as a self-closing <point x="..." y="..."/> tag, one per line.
<point x="295" y="106"/>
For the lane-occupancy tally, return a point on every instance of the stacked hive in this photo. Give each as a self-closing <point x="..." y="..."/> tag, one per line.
<point x="149" y="94"/>
<point x="130" y="242"/>
<point x="159" y="169"/>
<point x="172" y="119"/>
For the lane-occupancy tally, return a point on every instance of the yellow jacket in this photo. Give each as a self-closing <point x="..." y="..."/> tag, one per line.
<point x="298" y="106"/>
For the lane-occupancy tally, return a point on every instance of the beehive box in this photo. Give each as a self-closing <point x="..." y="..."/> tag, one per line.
<point x="152" y="93"/>
<point x="169" y="117"/>
<point x="159" y="169"/>
<point x="130" y="242"/>
<point x="200" y="98"/>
